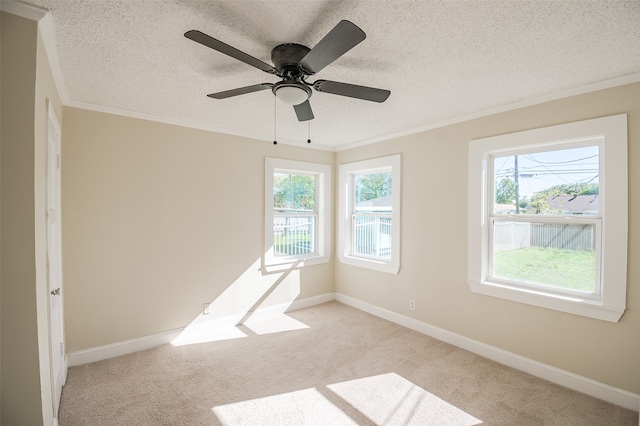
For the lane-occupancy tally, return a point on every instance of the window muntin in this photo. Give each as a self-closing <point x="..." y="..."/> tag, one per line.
<point x="369" y="225"/>
<point x="607" y="302"/>
<point x="557" y="246"/>
<point x="297" y="214"/>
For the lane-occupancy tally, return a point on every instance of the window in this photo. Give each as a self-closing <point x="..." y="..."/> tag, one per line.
<point x="369" y="226"/>
<point x="297" y="209"/>
<point x="548" y="217"/>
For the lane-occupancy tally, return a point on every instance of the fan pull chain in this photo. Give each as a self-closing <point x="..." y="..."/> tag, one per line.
<point x="308" y="131"/>
<point x="275" y="121"/>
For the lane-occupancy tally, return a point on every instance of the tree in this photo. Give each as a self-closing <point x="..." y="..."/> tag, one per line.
<point x="539" y="200"/>
<point x="539" y="203"/>
<point x="506" y="192"/>
<point x="296" y="192"/>
<point x="372" y="186"/>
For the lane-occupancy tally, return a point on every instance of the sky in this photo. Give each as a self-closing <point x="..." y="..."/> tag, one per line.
<point x="542" y="170"/>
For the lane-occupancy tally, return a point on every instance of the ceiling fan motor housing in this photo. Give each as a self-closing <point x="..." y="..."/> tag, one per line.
<point x="286" y="59"/>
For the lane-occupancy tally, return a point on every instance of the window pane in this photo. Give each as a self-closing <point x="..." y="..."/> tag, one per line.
<point x="372" y="236"/>
<point x="563" y="182"/>
<point x="554" y="254"/>
<point x="294" y="235"/>
<point x="293" y="192"/>
<point x="373" y="192"/>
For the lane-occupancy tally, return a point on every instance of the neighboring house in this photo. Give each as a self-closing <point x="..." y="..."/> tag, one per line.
<point x="505" y="208"/>
<point x="574" y="204"/>
<point x="380" y="204"/>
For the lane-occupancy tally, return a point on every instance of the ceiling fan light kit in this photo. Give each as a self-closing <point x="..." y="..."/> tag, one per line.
<point x="291" y="92"/>
<point x="293" y="63"/>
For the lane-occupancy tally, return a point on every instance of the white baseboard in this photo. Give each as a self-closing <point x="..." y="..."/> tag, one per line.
<point x="113" y="350"/>
<point x="564" y="378"/>
<point x="311" y="301"/>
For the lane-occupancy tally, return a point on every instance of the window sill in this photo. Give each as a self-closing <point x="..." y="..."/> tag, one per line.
<point x="371" y="264"/>
<point x="570" y="304"/>
<point x="273" y="266"/>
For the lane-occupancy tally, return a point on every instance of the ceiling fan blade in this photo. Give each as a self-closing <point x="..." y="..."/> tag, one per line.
<point x="342" y="38"/>
<point x="221" y="47"/>
<point x="240" y="91"/>
<point x="351" y="90"/>
<point x="303" y="111"/>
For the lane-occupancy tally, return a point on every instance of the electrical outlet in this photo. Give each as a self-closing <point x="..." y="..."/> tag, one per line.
<point x="207" y="309"/>
<point x="412" y="304"/>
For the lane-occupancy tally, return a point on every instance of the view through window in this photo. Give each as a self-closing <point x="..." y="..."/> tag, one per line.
<point x="545" y="218"/>
<point x="295" y="214"/>
<point x="372" y="215"/>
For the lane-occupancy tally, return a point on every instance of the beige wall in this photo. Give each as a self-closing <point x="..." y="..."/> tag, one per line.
<point x="20" y="375"/>
<point x="158" y="219"/>
<point x="26" y="86"/>
<point x="434" y="248"/>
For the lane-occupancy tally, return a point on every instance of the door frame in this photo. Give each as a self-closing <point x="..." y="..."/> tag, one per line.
<point x="54" y="158"/>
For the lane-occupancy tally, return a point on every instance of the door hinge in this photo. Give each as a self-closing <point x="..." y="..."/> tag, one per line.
<point x="59" y="160"/>
<point x="61" y="349"/>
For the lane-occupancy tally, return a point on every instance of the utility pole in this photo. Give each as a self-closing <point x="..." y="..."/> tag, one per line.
<point x="517" y="186"/>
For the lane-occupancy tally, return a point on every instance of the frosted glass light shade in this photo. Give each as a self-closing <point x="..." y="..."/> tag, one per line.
<point x="292" y="95"/>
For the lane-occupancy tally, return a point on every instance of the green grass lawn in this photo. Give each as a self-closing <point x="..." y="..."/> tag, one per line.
<point x="571" y="269"/>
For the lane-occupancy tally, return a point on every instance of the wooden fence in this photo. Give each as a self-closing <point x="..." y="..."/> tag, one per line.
<point x="515" y="235"/>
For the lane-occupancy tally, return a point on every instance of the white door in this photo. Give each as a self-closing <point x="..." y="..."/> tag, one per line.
<point x="54" y="260"/>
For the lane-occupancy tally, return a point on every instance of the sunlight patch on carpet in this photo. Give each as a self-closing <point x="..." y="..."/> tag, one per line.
<point x="389" y="399"/>
<point x="205" y="333"/>
<point x="385" y="399"/>
<point x="302" y="407"/>
<point x="274" y="324"/>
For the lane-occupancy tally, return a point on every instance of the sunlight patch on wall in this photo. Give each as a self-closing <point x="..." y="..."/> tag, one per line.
<point x="255" y="300"/>
<point x="389" y="399"/>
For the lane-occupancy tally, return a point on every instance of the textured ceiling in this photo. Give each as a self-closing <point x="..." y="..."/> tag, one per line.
<point x="441" y="60"/>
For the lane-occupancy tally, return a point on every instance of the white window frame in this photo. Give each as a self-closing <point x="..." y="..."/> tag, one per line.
<point x="322" y="253"/>
<point x="346" y="211"/>
<point x="609" y="304"/>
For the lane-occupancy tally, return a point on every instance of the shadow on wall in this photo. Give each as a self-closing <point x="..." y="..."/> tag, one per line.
<point x="261" y="301"/>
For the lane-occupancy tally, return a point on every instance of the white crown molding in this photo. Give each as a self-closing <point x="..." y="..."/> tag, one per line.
<point x="22" y="9"/>
<point x="48" y="34"/>
<point x="564" y="378"/>
<point x="606" y="84"/>
<point x="189" y="124"/>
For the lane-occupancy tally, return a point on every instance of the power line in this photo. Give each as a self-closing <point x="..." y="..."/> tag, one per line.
<point x="530" y="157"/>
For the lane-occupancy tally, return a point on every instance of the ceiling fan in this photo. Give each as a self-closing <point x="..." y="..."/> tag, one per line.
<point x="293" y="63"/>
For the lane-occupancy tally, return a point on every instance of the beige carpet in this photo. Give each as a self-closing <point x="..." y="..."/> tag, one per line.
<point x="326" y="365"/>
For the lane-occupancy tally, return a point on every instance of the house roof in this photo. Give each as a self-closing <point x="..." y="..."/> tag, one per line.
<point x="574" y="204"/>
<point x="443" y="62"/>
<point x="383" y="203"/>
